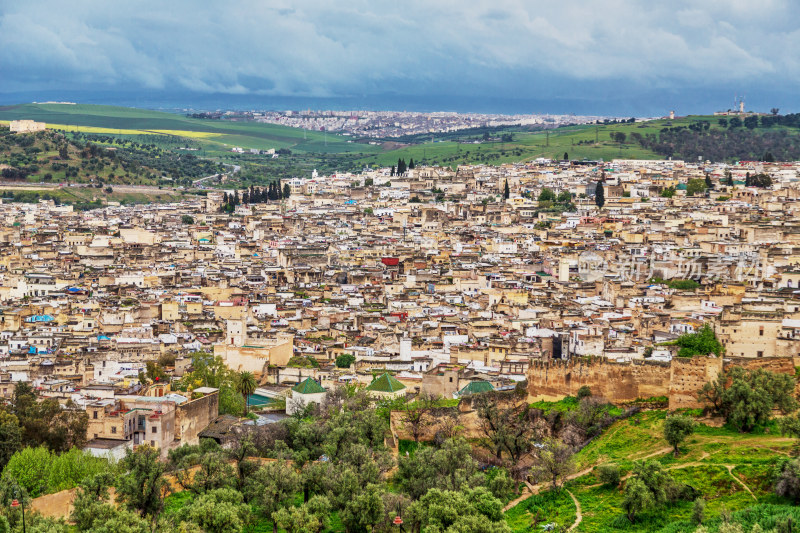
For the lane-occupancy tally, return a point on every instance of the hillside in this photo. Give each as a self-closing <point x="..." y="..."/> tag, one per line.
<point x="213" y="136"/>
<point x="51" y="157"/>
<point x="709" y="137"/>
<point x="173" y="144"/>
<point x="731" y="471"/>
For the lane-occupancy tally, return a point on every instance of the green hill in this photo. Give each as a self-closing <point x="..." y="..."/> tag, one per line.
<point x="212" y="135"/>
<point x="731" y="470"/>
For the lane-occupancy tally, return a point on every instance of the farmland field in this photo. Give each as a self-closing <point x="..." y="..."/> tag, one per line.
<point x="217" y="134"/>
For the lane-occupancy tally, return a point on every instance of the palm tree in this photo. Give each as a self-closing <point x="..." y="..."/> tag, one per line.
<point x="246" y="385"/>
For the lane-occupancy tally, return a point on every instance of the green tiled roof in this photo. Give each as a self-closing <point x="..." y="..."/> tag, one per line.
<point x="385" y="383"/>
<point x="309" y="386"/>
<point x="476" y="387"/>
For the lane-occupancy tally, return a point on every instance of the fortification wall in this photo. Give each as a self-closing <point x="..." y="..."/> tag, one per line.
<point x="679" y="380"/>
<point x="616" y="382"/>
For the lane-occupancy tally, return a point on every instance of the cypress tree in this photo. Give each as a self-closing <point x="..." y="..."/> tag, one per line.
<point x="599" y="195"/>
<point x="411" y="164"/>
<point x="506" y="191"/>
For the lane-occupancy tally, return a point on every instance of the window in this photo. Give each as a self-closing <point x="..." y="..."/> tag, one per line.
<point x="761" y="331"/>
<point x="154" y="430"/>
<point x="760" y="354"/>
<point x="94" y="415"/>
<point x="153" y="443"/>
<point x="451" y="380"/>
<point x="113" y="429"/>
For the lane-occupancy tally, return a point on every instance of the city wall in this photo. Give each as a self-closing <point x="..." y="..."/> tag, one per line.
<point x="678" y="380"/>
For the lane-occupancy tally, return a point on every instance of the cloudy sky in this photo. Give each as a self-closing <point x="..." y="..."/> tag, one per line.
<point x="647" y="55"/>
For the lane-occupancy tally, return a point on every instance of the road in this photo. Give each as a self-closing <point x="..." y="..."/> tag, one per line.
<point x="236" y="169"/>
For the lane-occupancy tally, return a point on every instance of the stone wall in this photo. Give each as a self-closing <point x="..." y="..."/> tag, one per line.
<point x="194" y="416"/>
<point x="616" y="382"/>
<point x="678" y="380"/>
<point x="687" y="377"/>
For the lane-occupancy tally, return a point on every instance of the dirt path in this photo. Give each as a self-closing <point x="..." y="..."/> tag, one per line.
<point x="527" y="492"/>
<point x="662" y="451"/>
<point x="739" y="481"/>
<point x="578" y="514"/>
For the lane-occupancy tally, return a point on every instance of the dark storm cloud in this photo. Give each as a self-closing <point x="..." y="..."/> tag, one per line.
<point x="354" y="47"/>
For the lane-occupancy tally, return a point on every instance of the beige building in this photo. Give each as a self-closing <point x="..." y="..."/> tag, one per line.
<point x="26" y="126"/>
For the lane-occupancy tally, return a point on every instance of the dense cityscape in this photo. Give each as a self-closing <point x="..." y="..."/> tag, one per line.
<point x="382" y="124"/>
<point x="421" y="267"/>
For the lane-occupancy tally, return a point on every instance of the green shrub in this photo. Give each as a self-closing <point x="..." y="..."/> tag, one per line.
<point x="608" y="475"/>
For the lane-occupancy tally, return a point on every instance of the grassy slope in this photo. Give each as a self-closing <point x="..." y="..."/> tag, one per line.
<point x="219" y="136"/>
<point x="705" y="462"/>
<point x="530" y="145"/>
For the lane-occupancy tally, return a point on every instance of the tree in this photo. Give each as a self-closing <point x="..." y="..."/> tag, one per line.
<point x="608" y="475"/>
<point x="768" y="157"/>
<point x="273" y="486"/>
<point x="10" y="437"/>
<point x="219" y="511"/>
<point x="547" y="195"/>
<point x="30" y="469"/>
<point x="364" y="509"/>
<point x="505" y="430"/>
<point x="287" y="191"/>
<point x="566" y="156"/>
<point x="703" y="342"/>
<point x="695" y="186"/>
<point x="584" y="392"/>
<point x="46" y="422"/>
<point x="746" y="398"/>
<point x="506" y="191"/>
<point x="311" y="517"/>
<point x="599" y="195"/>
<point x="676" y="429"/>
<point x="761" y="180"/>
<point x="187" y="219"/>
<point x="637" y="498"/>
<point x="92" y="494"/>
<point x="446" y="468"/>
<point x="142" y="486"/>
<point x="729" y="178"/>
<point x="411" y="164"/>
<point x="416" y="415"/>
<point x="752" y="395"/>
<point x="699" y="511"/>
<point x="345" y="360"/>
<point x="554" y="462"/>
<point x="203" y="471"/>
<point x="467" y="510"/>
<point x="246" y="385"/>
<point x="239" y="453"/>
<point x="709" y="184"/>
<point x="787" y="479"/>
<point x="774" y="111"/>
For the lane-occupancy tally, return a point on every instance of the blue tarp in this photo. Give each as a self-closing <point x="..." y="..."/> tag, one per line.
<point x="40" y="318"/>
